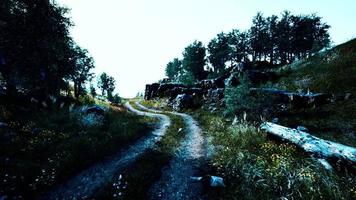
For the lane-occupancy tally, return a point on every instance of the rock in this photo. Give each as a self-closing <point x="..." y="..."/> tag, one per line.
<point x="183" y="101"/>
<point x="98" y="110"/>
<point x="215" y="83"/>
<point x="164" y="89"/>
<point x="172" y="94"/>
<point x="205" y="84"/>
<point x="216" y="181"/>
<point x="296" y="99"/>
<point x="214" y="96"/>
<point x="91" y="120"/>
<point x="212" y="181"/>
<point x="151" y="90"/>
<point x="186" y="101"/>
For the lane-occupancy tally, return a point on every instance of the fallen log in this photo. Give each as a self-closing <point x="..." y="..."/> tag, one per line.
<point x="319" y="147"/>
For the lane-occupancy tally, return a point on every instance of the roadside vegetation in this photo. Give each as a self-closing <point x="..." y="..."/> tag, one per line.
<point x="256" y="167"/>
<point x="332" y="72"/>
<point x="42" y="147"/>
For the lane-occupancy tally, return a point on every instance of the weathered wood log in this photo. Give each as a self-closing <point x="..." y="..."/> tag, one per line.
<point x="319" y="147"/>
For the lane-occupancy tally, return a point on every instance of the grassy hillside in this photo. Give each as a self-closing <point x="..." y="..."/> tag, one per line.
<point x="333" y="72"/>
<point x="256" y="167"/>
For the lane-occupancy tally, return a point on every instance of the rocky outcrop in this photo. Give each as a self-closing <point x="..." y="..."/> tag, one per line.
<point x="151" y="90"/>
<point x="172" y="94"/>
<point x="172" y="90"/>
<point x="184" y="101"/>
<point x="210" y="91"/>
<point x="214" y="96"/>
<point x="297" y="100"/>
<point x="213" y="83"/>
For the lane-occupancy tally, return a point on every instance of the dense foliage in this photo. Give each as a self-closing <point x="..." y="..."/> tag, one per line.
<point x="38" y="57"/>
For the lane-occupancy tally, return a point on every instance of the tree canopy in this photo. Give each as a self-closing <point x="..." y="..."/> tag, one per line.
<point x="38" y="57"/>
<point x="194" y="60"/>
<point x="276" y="39"/>
<point x="107" y="84"/>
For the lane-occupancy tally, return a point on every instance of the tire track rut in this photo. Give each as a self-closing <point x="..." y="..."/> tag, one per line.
<point x="175" y="182"/>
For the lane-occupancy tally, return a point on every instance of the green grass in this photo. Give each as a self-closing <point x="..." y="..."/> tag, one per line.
<point x="44" y="147"/>
<point x="160" y="104"/>
<point x="256" y="167"/>
<point x="332" y="72"/>
<point x="137" y="179"/>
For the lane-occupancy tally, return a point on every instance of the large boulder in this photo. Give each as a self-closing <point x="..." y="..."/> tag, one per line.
<point x="164" y="89"/>
<point x="90" y="116"/>
<point x="215" y="96"/>
<point x="218" y="82"/>
<point x="98" y="110"/>
<point x="186" y="101"/>
<point x="151" y="90"/>
<point x="205" y="84"/>
<point x="172" y="94"/>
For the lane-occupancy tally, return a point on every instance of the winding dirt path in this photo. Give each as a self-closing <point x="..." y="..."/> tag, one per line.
<point x="85" y="184"/>
<point x="175" y="182"/>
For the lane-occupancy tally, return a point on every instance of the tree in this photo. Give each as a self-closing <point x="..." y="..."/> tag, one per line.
<point x="107" y="84"/>
<point x="272" y="37"/>
<point x="219" y="52"/>
<point x="174" y="69"/>
<point x="103" y="83"/>
<point x="284" y="38"/>
<point x="259" y="36"/>
<point x="83" y="64"/>
<point x="92" y="90"/>
<point x="309" y="35"/>
<point x="239" y="46"/>
<point x="194" y="60"/>
<point x="111" y="87"/>
<point x="116" y="99"/>
<point x="35" y="46"/>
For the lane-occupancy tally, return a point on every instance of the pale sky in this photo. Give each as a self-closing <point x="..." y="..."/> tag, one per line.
<point x="133" y="40"/>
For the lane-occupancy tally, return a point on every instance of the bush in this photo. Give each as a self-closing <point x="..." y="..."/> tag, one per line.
<point x="115" y="99"/>
<point x="86" y="100"/>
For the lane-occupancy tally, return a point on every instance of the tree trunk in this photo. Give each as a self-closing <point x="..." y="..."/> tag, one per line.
<point x="311" y="144"/>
